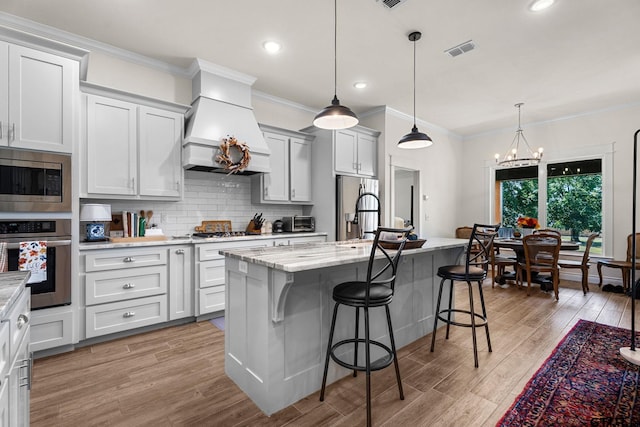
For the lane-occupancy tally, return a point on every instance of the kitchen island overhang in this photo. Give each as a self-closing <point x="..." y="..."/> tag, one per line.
<point x="279" y="306"/>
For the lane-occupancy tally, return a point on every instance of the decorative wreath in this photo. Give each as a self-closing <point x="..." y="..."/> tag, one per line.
<point x="225" y="159"/>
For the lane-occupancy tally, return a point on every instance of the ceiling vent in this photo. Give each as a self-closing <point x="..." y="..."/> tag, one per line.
<point x="390" y="4"/>
<point x="461" y="48"/>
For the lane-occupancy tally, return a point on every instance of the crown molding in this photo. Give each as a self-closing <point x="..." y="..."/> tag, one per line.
<point x="282" y="101"/>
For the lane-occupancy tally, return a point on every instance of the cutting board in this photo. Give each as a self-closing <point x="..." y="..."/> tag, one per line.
<point x="214" y="227"/>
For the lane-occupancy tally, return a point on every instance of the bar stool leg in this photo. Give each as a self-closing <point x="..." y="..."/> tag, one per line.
<point x="449" y="311"/>
<point x="367" y="351"/>
<point x="473" y="325"/>
<point x="435" y="320"/>
<point x="355" y="344"/>
<point x="326" y="361"/>
<point x="484" y="314"/>
<point x="395" y="354"/>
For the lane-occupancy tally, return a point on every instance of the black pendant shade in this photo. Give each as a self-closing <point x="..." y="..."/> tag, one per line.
<point x="415" y="138"/>
<point x="335" y="116"/>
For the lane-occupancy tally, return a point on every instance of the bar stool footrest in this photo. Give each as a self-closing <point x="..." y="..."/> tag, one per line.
<point x="481" y="323"/>
<point x="376" y="365"/>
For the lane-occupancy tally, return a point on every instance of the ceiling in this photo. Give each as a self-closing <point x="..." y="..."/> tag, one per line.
<point x="577" y="57"/>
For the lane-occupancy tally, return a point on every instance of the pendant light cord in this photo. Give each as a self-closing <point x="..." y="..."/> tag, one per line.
<point x="414" y="83"/>
<point x="335" y="48"/>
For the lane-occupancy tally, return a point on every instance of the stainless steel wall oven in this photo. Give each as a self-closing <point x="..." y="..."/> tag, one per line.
<point x="54" y="289"/>
<point x="33" y="181"/>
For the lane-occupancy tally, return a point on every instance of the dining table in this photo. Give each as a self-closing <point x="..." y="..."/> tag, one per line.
<point x="516" y="245"/>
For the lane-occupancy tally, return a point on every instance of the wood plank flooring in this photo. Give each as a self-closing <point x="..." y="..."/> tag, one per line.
<point x="175" y="376"/>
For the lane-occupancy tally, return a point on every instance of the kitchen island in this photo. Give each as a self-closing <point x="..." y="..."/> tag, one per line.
<point x="279" y="306"/>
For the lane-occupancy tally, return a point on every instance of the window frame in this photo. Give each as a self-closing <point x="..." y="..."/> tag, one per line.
<point x="604" y="152"/>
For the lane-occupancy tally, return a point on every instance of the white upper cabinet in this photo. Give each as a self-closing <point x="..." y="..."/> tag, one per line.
<point x="133" y="150"/>
<point x="355" y="153"/>
<point x="289" y="181"/>
<point x="37" y="95"/>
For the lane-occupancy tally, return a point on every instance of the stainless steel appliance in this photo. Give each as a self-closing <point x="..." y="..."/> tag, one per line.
<point x="55" y="289"/>
<point x="32" y="181"/>
<point x="358" y="208"/>
<point x="299" y="223"/>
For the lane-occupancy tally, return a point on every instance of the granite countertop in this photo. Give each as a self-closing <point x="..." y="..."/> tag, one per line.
<point x="187" y="239"/>
<point x="12" y="284"/>
<point x="319" y="255"/>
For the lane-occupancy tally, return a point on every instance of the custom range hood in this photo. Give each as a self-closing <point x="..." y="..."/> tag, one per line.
<point x="221" y="109"/>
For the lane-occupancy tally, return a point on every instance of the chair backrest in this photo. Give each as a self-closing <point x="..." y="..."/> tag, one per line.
<point x="587" y="248"/>
<point x="542" y="249"/>
<point x="546" y="230"/>
<point x="630" y="247"/>
<point x="388" y="269"/>
<point x="480" y="246"/>
<point x="463" y="232"/>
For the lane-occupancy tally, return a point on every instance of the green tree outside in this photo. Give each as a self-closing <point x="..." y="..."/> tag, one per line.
<point x="575" y="203"/>
<point x="519" y="198"/>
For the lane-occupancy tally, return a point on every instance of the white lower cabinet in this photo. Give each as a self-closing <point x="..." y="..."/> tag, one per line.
<point x="124" y="289"/>
<point x="51" y="328"/>
<point x="180" y="282"/>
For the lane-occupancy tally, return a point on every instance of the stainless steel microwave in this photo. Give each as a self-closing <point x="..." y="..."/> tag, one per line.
<point x="33" y="181"/>
<point x="298" y="223"/>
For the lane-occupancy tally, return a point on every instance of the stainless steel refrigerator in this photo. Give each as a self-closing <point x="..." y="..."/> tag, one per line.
<point x="358" y="208"/>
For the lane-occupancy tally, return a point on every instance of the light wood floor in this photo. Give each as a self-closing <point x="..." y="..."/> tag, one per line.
<point x="175" y="376"/>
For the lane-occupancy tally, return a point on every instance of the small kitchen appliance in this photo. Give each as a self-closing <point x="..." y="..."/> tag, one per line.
<point x="299" y="223"/>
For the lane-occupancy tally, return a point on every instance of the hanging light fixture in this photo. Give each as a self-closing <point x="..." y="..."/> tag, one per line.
<point x="515" y="156"/>
<point x="415" y="138"/>
<point x="335" y="116"/>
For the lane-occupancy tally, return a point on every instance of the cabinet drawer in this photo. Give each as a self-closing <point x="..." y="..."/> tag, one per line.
<point x="211" y="273"/>
<point x="111" y="286"/>
<point x="113" y="260"/>
<point x="19" y="317"/>
<point x="211" y="299"/>
<point x="121" y="316"/>
<point x="51" y="330"/>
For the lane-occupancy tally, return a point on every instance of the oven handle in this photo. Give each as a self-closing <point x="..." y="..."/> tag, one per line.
<point x="50" y="243"/>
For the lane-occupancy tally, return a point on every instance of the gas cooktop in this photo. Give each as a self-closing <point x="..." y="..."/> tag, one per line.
<point x="221" y="234"/>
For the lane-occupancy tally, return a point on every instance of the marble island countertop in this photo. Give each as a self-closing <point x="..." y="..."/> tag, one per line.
<point x="11" y="286"/>
<point x="310" y="256"/>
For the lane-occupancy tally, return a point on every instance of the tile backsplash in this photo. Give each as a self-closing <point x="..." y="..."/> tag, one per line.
<point x="207" y="196"/>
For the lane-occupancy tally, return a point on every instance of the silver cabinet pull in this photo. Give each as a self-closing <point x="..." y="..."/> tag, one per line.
<point x="293" y="192"/>
<point x="22" y="320"/>
<point x="180" y="251"/>
<point x="129" y="314"/>
<point x="128" y="286"/>
<point x="129" y="259"/>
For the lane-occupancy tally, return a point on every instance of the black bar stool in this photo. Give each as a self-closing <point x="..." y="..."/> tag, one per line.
<point x="478" y="257"/>
<point x="376" y="291"/>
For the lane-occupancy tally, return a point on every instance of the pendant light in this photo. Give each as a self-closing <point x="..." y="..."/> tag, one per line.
<point x="335" y="116"/>
<point x="415" y="138"/>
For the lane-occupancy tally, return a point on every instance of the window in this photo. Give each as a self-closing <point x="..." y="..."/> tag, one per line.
<point x="572" y="202"/>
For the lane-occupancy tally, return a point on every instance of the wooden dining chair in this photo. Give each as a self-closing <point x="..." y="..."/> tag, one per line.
<point x="499" y="264"/>
<point x="625" y="265"/>
<point x="583" y="264"/>
<point x="546" y="230"/>
<point x="541" y="253"/>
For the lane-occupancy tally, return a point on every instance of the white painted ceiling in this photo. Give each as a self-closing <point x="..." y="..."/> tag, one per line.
<point x="577" y="57"/>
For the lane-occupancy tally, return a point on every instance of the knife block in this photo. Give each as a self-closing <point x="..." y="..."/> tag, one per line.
<point x="251" y="228"/>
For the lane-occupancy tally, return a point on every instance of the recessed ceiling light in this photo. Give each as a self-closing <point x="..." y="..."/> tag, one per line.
<point x="272" y="47"/>
<point x="539" y="5"/>
<point x="360" y="85"/>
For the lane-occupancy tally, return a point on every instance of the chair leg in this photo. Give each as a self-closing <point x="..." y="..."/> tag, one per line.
<point x="484" y="314"/>
<point x="367" y="351"/>
<point x="585" y="279"/>
<point x="600" y="275"/>
<point x="326" y="361"/>
<point x="449" y="311"/>
<point x="473" y="325"/>
<point x="556" y="282"/>
<point x="528" y="282"/>
<point x="435" y="320"/>
<point x="355" y="344"/>
<point x="395" y="354"/>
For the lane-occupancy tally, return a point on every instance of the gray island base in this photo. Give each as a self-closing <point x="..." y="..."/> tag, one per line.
<point x="279" y="307"/>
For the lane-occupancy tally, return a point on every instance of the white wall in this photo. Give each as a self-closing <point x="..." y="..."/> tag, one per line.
<point x="559" y="137"/>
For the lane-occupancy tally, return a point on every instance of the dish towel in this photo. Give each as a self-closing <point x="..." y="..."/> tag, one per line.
<point x="33" y="258"/>
<point x="4" y="262"/>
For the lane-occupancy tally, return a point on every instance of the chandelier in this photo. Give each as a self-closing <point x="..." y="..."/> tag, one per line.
<point x="517" y="155"/>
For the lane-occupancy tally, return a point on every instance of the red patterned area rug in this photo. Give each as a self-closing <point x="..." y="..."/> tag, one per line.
<point x="585" y="382"/>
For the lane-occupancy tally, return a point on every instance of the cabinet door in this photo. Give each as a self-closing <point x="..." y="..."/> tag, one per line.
<point x="42" y="89"/>
<point x="180" y="283"/>
<point x="300" y="170"/>
<point x="276" y="183"/>
<point x="111" y="146"/>
<point x="346" y="145"/>
<point x="366" y="155"/>
<point x="4" y="94"/>
<point x="160" y="164"/>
